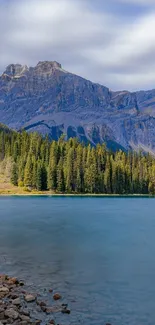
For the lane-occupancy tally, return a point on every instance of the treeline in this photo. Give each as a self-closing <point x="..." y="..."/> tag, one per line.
<point x="69" y="166"/>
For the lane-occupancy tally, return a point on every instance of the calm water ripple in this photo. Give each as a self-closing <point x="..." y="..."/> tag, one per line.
<point x="98" y="252"/>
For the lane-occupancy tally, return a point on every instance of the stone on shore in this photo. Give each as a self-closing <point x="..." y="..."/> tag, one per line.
<point x="53" y="309"/>
<point x="41" y="303"/>
<point x="11" y="313"/>
<point x="16" y="302"/>
<point x="65" y="311"/>
<point x="52" y="321"/>
<point x="57" y="296"/>
<point x="4" y="289"/>
<point x="12" y="281"/>
<point x="24" y="318"/>
<point x="29" y="298"/>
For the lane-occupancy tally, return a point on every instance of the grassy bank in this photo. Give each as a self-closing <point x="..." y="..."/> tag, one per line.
<point x="6" y="188"/>
<point x="13" y="190"/>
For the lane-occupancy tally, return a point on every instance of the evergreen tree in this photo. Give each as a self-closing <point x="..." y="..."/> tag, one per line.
<point x="28" y="173"/>
<point x="14" y="174"/>
<point x="52" y="168"/>
<point x="60" y="177"/>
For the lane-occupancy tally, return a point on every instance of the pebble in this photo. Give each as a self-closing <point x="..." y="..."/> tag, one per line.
<point x="4" y="289"/>
<point x="16" y="301"/>
<point x="57" y="296"/>
<point x="29" y="298"/>
<point x="24" y="318"/>
<point x="65" y="311"/>
<point x="11" y="313"/>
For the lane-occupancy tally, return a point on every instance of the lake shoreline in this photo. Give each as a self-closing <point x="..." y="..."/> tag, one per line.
<point x="17" y="306"/>
<point x="75" y="195"/>
<point x="7" y="189"/>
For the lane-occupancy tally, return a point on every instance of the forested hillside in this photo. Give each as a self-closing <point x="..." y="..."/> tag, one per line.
<point x="34" y="162"/>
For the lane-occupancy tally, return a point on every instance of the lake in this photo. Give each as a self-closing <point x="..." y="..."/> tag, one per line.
<point x="99" y="252"/>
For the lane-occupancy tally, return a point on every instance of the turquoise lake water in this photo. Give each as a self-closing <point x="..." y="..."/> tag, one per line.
<point x="98" y="252"/>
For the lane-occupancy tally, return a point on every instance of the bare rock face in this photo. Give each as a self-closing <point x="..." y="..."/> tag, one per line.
<point x="49" y="100"/>
<point x="47" y="67"/>
<point x="14" y="70"/>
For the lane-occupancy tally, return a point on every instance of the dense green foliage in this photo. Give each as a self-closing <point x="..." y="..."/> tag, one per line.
<point x="71" y="167"/>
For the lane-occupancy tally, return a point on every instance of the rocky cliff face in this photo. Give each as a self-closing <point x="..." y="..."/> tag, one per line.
<point x="52" y="101"/>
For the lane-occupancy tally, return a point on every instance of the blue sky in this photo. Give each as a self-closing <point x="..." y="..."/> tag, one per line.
<point x="111" y="42"/>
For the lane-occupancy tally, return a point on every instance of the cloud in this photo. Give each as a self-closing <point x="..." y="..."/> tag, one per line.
<point x="96" y="44"/>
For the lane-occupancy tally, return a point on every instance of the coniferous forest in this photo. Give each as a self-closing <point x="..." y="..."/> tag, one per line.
<point x="63" y="166"/>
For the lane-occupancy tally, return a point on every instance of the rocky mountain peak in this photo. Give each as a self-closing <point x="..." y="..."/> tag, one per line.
<point x="52" y="101"/>
<point x="14" y="70"/>
<point x="47" y="66"/>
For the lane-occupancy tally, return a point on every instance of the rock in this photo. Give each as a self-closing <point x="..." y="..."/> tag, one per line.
<point x="65" y="311"/>
<point x="41" y="303"/>
<point x="25" y="312"/>
<point x="57" y="296"/>
<point x="13" y="295"/>
<point x="11" y="313"/>
<point x="16" y="301"/>
<point x="4" y="289"/>
<point x="2" y="315"/>
<point x="52" y="321"/>
<point x="49" y="310"/>
<point x="43" y="308"/>
<point x="53" y="309"/>
<point x="12" y="281"/>
<point x="50" y="290"/>
<point x="37" y="322"/>
<point x="3" y="278"/>
<point x="29" y="298"/>
<point x="24" y="318"/>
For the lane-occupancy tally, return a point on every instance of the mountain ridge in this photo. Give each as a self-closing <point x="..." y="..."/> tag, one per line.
<point x="48" y="99"/>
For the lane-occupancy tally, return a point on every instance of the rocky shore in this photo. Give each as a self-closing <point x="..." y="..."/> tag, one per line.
<point x="18" y="306"/>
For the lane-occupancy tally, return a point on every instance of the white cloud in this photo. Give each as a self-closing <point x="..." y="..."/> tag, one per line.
<point x="98" y="45"/>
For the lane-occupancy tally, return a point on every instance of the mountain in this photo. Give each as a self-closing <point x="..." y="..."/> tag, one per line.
<point x="52" y="101"/>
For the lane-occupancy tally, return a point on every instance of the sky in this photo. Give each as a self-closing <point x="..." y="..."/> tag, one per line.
<point x="111" y="42"/>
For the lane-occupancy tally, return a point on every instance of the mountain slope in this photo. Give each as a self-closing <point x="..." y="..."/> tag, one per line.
<point x="52" y="101"/>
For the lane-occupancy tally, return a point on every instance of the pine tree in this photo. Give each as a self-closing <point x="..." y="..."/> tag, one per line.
<point x="60" y="177"/>
<point x="28" y="173"/>
<point x="69" y="170"/>
<point x="107" y="177"/>
<point x="39" y="184"/>
<point x="14" y="174"/>
<point x="52" y="168"/>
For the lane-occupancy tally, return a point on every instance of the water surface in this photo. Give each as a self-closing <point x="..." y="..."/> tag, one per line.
<point x="98" y="252"/>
